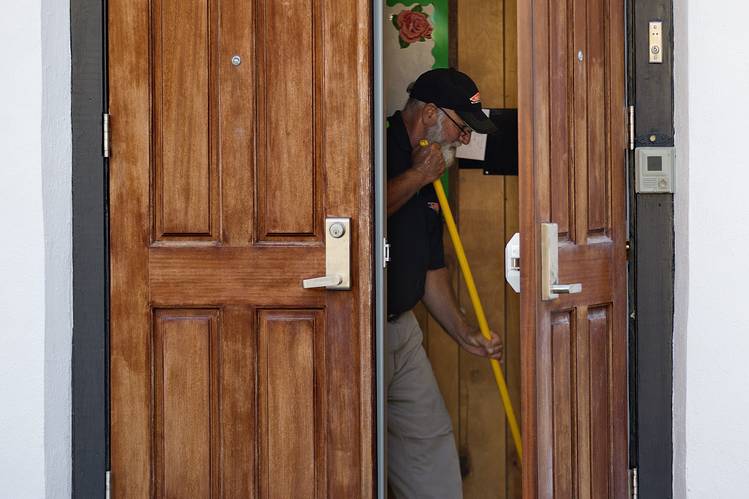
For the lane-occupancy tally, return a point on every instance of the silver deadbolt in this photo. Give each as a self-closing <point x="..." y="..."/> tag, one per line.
<point x="337" y="256"/>
<point x="337" y="230"/>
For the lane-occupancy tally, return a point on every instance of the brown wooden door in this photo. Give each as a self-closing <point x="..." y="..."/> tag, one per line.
<point x="573" y="152"/>
<point x="228" y="379"/>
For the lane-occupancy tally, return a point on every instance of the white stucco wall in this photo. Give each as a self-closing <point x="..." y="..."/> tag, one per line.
<point x="711" y="336"/>
<point x="35" y="268"/>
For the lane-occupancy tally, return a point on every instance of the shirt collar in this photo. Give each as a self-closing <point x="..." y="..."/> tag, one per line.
<point x="400" y="134"/>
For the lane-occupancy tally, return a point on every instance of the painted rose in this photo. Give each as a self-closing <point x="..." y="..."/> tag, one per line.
<point x="414" y="26"/>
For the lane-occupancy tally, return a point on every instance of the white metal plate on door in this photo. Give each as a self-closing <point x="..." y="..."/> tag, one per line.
<point x="337" y="256"/>
<point x="512" y="262"/>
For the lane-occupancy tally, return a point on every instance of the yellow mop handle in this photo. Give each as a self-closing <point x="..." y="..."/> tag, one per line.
<point x="483" y="324"/>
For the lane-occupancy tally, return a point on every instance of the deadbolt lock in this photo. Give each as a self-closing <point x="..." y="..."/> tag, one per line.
<point x="337" y="230"/>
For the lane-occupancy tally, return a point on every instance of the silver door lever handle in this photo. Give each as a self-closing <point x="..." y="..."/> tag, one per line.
<point x="322" y="282"/>
<point x="566" y="289"/>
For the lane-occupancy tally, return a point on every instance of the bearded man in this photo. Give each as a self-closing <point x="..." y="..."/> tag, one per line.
<point x="444" y="108"/>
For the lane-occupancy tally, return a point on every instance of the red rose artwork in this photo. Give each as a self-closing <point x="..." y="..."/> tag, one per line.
<point x="413" y="26"/>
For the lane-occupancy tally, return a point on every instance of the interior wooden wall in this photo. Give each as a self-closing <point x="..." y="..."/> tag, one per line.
<point x="487" y="211"/>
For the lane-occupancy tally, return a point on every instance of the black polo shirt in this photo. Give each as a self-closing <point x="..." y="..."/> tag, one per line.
<point x="414" y="231"/>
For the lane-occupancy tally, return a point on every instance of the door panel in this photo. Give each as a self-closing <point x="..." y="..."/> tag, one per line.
<point x="185" y="379"/>
<point x="183" y="116"/>
<point x="289" y="140"/>
<point x="572" y="143"/>
<point x="228" y="379"/>
<point x="291" y="348"/>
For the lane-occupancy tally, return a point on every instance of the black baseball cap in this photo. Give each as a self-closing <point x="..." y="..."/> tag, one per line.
<point x="451" y="89"/>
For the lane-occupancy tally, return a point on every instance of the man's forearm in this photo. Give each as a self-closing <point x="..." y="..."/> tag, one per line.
<point x="402" y="188"/>
<point x="440" y="300"/>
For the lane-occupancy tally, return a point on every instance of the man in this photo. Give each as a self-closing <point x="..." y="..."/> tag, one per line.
<point x="444" y="108"/>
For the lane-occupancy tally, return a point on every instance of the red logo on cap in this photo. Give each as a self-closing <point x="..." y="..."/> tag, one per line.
<point x="476" y="98"/>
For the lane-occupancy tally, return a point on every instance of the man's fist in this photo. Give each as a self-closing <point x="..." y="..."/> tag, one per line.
<point x="474" y="342"/>
<point x="429" y="162"/>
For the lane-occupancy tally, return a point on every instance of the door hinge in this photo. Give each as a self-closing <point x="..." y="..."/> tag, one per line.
<point x="631" y="124"/>
<point x="385" y="252"/>
<point x="633" y="485"/>
<point x="107" y="481"/>
<point x="105" y="134"/>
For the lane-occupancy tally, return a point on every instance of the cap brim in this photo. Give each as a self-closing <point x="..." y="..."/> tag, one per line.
<point x="478" y="121"/>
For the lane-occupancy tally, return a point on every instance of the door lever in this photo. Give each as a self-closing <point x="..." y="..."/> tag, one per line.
<point x="550" y="286"/>
<point x="566" y="289"/>
<point x="322" y="282"/>
<point x="337" y="256"/>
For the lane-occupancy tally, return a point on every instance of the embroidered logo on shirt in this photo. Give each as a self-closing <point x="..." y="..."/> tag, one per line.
<point x="434" y="206"/>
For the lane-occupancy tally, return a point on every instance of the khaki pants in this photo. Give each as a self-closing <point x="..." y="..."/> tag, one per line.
<point x="422" y="458"/>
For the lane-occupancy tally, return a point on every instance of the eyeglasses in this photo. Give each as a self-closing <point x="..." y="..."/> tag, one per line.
<point x="465" y="129"/>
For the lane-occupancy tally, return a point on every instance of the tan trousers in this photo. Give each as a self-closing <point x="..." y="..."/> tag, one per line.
<point x="422" y="458"/>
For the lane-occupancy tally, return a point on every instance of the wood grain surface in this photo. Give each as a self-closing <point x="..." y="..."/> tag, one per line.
<point x="228" y="378"/>
<point x="572" y="172"/>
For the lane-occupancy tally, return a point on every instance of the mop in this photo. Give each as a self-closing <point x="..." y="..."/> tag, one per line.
<point x="483" y="324"/>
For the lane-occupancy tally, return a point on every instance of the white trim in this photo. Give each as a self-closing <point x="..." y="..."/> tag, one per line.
<point x="57" y="206"/>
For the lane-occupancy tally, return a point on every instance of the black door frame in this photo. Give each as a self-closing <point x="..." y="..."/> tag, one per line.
<point x="651" y="260"/>
<point x="90" y="352"/>
<point x="651" y="257"/>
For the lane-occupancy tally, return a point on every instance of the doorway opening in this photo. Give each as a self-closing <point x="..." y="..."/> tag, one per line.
<point x="479" y="38"/>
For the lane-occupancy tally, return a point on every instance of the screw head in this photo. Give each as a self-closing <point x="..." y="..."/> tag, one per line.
<point x="236" y="60"/>
<point x="580" y="55"/>
<point x="337" y="230"/>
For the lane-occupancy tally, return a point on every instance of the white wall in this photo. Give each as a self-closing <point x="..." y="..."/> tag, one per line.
<point x="711" y="337"/>
<point x="35" y="270"/>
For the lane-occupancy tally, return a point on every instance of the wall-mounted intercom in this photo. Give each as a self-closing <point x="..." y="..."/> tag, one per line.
<point x="654" y="169"/>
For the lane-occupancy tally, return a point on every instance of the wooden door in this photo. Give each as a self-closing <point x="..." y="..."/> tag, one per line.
<point x="228" y="379"/>
<point x="573" y="151"/>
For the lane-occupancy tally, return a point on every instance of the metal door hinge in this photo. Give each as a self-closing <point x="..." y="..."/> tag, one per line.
<point x="105" y="134"/>
<point x="385" y="253"/>
<point x="633" y="485"/>
<point x="107" y="481"/>
<point x="631" y="123"/>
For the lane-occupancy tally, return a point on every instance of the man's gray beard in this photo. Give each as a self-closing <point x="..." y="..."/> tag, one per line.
<point x="448" y="152"/>
<point x="435" y="135"/>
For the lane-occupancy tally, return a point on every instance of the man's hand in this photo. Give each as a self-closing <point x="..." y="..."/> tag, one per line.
<point x="471" y="339"/>
<point x="429" y="162"/>
<point x="427" y="165"/>
<point x="441" y="303"/>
